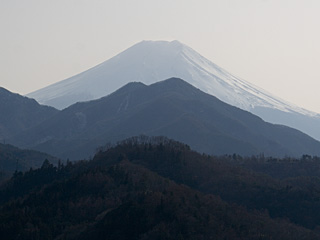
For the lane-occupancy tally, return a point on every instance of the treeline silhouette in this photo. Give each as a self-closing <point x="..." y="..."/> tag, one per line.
<point x="156" y="188"/>
<point x="14" y="159"/>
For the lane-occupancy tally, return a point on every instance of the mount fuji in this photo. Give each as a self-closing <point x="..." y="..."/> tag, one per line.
<point x="152" y="61"/>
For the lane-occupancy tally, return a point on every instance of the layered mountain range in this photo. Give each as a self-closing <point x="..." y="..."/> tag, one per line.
<point x="152" y="61"/>
<point x="140" y="183"/>
<point x="171" y="108"/>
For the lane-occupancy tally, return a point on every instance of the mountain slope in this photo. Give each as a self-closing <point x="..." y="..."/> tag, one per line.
<point x="19" y="113"/>
<point x="171" y="108"/>
<point x="149" y="62"/>
<point x="295" y="199"/>
<point x="153" y="190"/>
<point x="14" y="159"/>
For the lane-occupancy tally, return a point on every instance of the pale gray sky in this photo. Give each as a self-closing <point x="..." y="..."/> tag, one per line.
<point x="274" y="44"/>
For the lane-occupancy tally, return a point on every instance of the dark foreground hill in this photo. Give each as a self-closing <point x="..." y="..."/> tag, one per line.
<point x="171" y="108"/>
<point x="153" y="189"/>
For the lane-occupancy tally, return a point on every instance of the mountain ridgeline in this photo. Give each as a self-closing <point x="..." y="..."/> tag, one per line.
<point x="217" y="172"/>
<point x="153" y="61"/>
<point x="156" y="188"/>
<point x="18" y="113"/>
<point x="171" y="108"/>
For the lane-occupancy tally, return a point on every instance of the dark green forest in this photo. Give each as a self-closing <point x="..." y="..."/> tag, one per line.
<point x="156" y="188"/>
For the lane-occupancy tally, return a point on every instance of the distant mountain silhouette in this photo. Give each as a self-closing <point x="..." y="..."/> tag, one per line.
<point x="171" y="108"/>
<point x="18" y="113"/>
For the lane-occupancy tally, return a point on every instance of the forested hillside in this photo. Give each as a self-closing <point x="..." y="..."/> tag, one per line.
<point x="14" y="159"/>
<point x="155" y="188"/>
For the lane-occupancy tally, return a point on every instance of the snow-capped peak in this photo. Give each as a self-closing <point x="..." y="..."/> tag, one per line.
<point x="152" y="61"/>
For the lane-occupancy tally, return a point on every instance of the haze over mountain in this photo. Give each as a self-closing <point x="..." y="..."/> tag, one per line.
<point x="171" y="108"/>
<point x="18" y="113"/>
<point x="152" y="61"/>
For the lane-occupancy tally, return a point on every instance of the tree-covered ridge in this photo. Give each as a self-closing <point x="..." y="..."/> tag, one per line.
<point x="281" y="168"/>
<point x="155" y="188"/>
<point x="287" y="198"/>
<point x="14" y="159"/>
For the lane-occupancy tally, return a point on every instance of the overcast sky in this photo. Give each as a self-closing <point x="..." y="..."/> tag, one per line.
<point x="274" y="44"/>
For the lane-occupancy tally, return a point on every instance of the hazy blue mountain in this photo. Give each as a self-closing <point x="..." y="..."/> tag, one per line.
<point x="171" y="108"/>
<point x="19" y="113"/>
<point x="152" y="61"/>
